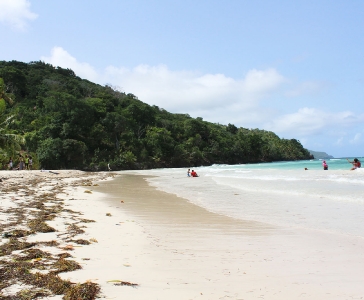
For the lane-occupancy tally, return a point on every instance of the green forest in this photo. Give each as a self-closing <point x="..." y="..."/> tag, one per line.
<point x="65" y="122"/>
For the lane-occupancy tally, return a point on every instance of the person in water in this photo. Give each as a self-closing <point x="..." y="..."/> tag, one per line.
<point x="325" y="165"/>
<point x="356" y="163"/>
<point x="194" y="174"/>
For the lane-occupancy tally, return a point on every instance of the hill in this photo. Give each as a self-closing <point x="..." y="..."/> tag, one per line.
<point x="69" y="122"/>
<point x="320" y="155"/>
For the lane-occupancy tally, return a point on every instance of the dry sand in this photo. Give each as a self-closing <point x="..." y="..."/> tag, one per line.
<point x="171" y="249"/>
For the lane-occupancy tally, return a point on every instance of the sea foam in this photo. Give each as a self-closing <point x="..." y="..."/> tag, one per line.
<point x="330" y="200"/>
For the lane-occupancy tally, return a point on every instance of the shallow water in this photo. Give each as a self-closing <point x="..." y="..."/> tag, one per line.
<point x="282" y="194"/>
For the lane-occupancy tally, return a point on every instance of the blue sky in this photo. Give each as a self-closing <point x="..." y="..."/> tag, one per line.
<point x="293" y="67"/>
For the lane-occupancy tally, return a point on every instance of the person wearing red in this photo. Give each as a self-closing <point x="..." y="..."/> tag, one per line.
<point x="194" y="174"/>
<point x="356" y="163"/>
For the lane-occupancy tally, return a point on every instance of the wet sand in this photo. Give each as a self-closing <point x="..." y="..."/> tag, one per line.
<point x="195" y="254"/>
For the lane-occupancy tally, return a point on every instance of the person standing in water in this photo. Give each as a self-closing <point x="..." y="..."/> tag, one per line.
<point x="356" y="163"/>
<point x="325" y="165"/>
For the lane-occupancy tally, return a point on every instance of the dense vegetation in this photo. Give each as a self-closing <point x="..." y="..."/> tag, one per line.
<point x="64" y="121"/>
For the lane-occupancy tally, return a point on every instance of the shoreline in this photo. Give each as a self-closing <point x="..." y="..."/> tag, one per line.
<point x="255" y="260"/>
<point x="148" y="244"/>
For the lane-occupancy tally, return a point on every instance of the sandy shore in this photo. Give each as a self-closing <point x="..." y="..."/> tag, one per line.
<point x="147" y="244"/>
<point x="41" y="229"/>
<point x="196" y="254"/>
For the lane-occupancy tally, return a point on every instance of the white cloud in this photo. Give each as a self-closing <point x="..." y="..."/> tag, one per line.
<point x="262" y="81"/>
<point x="306" y="121"/>
<point x="61" y="58"/>
<point x="16" y="13"/>
<point x="311" y="121"/>
<point x="215" y="97"/>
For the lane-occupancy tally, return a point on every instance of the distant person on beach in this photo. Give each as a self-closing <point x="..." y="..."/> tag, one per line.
<point x="194" y="174"/>
<point x="188" y="173"/>
<point x="30" y="163"/>
<point x="325" y="165"/>
<point x="356" y="163"/>
<point x="10" y="163"/>
<point x="108" y="167"/>
<point x="21" y="162"/>
<point x="26" y="161"/>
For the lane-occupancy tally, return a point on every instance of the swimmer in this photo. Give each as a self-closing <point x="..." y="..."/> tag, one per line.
<point x="356" y="163"/>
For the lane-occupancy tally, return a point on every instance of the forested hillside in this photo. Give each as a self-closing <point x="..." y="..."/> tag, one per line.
<point x="64" y="121"/>
<point x="320" y="155"/>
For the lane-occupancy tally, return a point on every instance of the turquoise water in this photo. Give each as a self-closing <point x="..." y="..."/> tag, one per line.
<point x="314" y="164"/>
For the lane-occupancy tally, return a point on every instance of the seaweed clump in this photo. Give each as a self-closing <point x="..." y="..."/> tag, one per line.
<point x="38" y="225"/>
<point x="16" y="272"/>
<point x="14" y="244"/>
<point x="83" y="291"/>
<point x="50" y="281"/>
<point x="33" y="254"/>
<point x="73" y="229"/>
<point x="28" y="294"/>
<point x="81" y="242"/>
<point x="64" y="265"/>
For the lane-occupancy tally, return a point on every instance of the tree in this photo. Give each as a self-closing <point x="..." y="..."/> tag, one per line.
<point x="3" y="95"/>
<point x="160" y="143"/>
<point x="15" y="81"/>
<point x="74" y="153"/>
<point x="8" y="140"/>
<point x="49" y="153"/>
<point x="232" y="128"/>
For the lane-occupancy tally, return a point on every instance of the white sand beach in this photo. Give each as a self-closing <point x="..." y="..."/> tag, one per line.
<point x="148" y="244"/>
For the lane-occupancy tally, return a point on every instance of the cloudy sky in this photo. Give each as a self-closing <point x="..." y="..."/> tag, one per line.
<point x="292" y="67"/>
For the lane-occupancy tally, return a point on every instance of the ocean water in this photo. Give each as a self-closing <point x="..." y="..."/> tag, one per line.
<point x="279" y="193"/>
<point x="314" y="164"/>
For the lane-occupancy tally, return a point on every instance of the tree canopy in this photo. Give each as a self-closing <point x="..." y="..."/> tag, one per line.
<point x="69" y="122"/>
